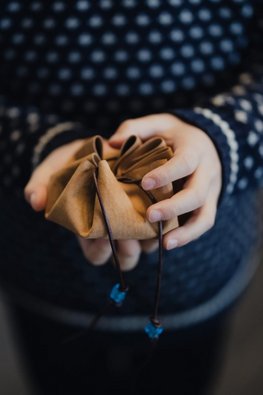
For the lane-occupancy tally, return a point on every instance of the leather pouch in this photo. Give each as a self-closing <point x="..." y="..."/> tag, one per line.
<point x="73" y="200"/>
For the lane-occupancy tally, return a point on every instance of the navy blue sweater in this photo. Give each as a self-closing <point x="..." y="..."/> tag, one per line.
<point x="70" y="70"/>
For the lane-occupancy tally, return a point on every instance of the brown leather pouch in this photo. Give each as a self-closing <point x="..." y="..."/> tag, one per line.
<point x="73" y="200"/>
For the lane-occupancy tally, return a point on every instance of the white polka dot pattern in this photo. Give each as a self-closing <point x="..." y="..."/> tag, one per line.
<point x="83" y="59"/>
<point x="115" y="32"/>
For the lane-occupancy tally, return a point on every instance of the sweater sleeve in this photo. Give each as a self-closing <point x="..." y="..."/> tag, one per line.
<point x="233" y="118"/>
<point x="27" y="136"/>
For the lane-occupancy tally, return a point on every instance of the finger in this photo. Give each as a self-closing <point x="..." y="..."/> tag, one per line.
<point x="108" y="151"/>
<point x="191" y="197"/>
<point x="144" y="127"/>
<point x="182" y="164"/>
<point x="37" y="197"/>
<point x="96" y="251"/>
<point x="149" y="246"/>
<point x="200" y="222"/>
<point x="129" y="253"/>
<point x="35" y="191"/>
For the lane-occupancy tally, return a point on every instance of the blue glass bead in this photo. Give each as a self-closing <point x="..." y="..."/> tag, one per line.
<point x="116" y="295"/>
<point x="153" y="331"/>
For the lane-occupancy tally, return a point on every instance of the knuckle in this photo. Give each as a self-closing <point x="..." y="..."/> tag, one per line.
<point x="197" y="197"/>
<point x="127" y="125"/>
<point x="129" y="249"/>
<point x="31" y="183"/>
<point x="184" y="240"/>
<point x="177" y="207"/>
<point x="149" y="246"/>
<point x="185" y="235"/>
<point x="96" y="254"/>
<point x="168" y="212"/>
<point x="215" y="170"/>
<point x="188" y="161"/>
<point x="97" y="262"/>
<point x="129" y="264"/>
<point x="27" y="191"/>
<point x="170" y="118"/>
<point x="126" y="253"/>
<point x="210" y="222"/>
<point x="215" y="177"/>
<point x="97" y="259"/>
<point x="86" y="254"/>
<point x="161" y="177"/>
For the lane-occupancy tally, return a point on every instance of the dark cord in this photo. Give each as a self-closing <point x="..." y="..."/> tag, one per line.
<point x="159" y="273"/>
<point x="123" y="287"/>
<point x="154" y="317"/>
<point x="109" y="232"/>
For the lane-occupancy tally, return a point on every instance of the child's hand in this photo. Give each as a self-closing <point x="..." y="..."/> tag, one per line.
<point x="195" y="156"/>
<point x="96" y="251"/>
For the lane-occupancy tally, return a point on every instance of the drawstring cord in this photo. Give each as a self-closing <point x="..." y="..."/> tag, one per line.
<point x="153" y="329"/>
<point x="119" y="291"/>
<point x="123" y="286"/>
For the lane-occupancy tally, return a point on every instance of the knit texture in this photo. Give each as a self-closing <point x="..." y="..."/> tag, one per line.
<point x="70" y="71"/>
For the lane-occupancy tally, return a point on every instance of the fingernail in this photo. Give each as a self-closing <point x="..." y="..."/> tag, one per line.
<point x="33" y="198"/>
<point x="148" y="183"/>
<point x="155" y="215"/>
<point x="172" y="243"/>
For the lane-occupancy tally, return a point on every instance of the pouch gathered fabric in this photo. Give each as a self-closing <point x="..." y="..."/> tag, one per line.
<point x="72" y="200"/>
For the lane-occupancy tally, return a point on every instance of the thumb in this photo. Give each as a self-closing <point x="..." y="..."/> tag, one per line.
<point x="38" y="198"/>
<point x="35" y="191"/>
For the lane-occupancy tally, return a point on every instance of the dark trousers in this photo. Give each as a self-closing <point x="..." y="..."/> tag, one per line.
<point x="183" y="363"/>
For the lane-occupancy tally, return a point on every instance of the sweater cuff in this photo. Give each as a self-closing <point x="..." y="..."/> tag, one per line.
<point x="56" y="136"/>
<point x="218" y="128"/>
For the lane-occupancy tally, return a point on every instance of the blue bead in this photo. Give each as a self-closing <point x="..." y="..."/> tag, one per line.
<point x="153" y="331"/>
<point x="116" y="295"/>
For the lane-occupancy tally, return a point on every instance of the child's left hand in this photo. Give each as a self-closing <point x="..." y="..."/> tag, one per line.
<point x="195" y="156"/>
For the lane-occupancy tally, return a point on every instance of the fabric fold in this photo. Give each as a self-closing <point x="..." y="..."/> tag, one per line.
<point x="72" y="201"/>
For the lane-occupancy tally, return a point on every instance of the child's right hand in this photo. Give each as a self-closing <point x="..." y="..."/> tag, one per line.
<point x="195" y="158"/>
<point x="96" y="251"/>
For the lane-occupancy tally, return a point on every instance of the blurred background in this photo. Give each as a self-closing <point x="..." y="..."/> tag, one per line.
<point x="240" y="371"/>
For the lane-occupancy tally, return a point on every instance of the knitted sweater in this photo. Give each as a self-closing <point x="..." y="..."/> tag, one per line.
<point x="70" y="70"/>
